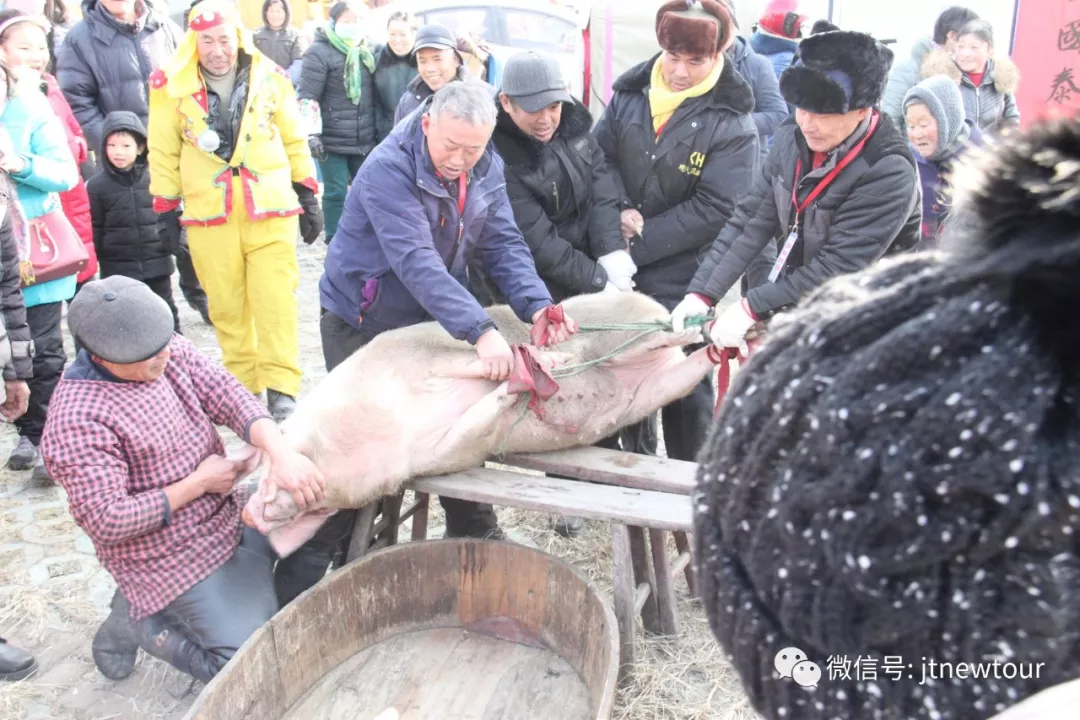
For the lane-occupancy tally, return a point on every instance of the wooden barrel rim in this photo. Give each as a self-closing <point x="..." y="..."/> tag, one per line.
<point x="274" y="685"/>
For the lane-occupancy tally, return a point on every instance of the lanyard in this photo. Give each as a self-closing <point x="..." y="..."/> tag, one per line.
<point x="793" y="236"/>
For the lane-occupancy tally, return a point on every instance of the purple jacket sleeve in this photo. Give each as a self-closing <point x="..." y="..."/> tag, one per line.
<point x="509" y="261"/>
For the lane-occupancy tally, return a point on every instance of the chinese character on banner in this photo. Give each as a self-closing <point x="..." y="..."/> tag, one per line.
<point x="1047" y="50"/>
<point x="838" y="667"/>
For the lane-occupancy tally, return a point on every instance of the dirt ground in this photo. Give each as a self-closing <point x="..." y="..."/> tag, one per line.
<point x="53" y="596"/>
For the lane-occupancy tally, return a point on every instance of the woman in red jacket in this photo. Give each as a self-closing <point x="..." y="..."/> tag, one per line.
<point x="25" y="44"/>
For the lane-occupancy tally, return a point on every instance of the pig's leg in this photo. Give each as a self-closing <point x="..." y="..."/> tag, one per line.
<point x="472" y="430"/>
<point x="671" y="382"/>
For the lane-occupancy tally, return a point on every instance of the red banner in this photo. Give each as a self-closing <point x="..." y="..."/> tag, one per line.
<point x="1047" y="50"/>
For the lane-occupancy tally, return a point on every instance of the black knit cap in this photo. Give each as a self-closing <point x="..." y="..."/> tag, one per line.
<point x="894" y="476"/>
<point x="120" y="320"/>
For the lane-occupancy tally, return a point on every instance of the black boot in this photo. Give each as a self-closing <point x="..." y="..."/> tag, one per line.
<point x="165" y="642"/>
<point x="15" y="663"/>
<point x="280" y="405"/>
<point x="115" y="646"/>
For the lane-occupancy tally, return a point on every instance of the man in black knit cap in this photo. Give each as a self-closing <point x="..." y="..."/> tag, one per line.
<point x="893" y="477"/>
<point x="838" y="188"/>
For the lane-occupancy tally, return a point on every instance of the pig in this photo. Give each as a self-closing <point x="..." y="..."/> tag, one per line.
<point x="415" y="402"/>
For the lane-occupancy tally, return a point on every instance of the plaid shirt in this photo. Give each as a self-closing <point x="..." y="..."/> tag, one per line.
<point x="114" y="445"/>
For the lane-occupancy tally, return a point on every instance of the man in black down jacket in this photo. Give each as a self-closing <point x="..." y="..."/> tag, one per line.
<point x="857" y="189"/>
<point x="563" y="195"/>
<point x="679" y="134"/>
<point x="103" y="65"/>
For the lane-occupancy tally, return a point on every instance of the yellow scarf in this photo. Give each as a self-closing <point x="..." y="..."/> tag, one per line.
<point x="663" y="102"/>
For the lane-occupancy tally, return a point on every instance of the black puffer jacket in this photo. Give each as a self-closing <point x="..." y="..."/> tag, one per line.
<point x="347" y="129"/>
<point x="126" y="233"/>
<point x="17" y="352"/>
<point x="393" y="74"/>
<point x="103" y="64"/>
<point x="564" y="198"/>
<point x="686" y="183"/>
<point x="873" y="206"/>
<point x="418" y="91"/>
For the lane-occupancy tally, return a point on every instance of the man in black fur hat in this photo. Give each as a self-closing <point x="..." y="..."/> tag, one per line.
<point x="855" y="196"/>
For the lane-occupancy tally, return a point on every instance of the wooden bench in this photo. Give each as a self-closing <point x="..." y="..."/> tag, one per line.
<point x="635" y="494"/>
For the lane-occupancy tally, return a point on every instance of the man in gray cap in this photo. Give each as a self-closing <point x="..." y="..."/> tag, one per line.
<point x="131" y="437"/>
<point x="438" y="62"/>
<point x="563" y="195"/>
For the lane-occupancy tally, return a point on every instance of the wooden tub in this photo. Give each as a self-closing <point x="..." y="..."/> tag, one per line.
<point x="461" y="629"/>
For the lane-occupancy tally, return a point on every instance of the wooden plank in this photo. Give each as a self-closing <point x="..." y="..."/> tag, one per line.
<point x="680" y="564"/>
<point x="622" y="588"/>
<point x="682" y="544"/>
<point x="363" y="530"/>
<point x="386" y="530"/>
<point x="419" y="523"/>
<point x="626" y="506"/>
<point x="665" y="591"/>
<point x="448" y="673"/>
<point x="643" y="575"/>
<point x="613" y="467"/>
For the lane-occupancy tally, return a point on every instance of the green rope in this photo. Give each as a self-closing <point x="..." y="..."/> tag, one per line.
<point x="646" y="328"/>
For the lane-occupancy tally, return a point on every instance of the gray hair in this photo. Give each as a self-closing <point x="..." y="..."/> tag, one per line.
<point x="469" y="100"/>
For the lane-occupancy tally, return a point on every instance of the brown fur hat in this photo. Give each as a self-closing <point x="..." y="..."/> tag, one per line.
<point x="694" y="27"/>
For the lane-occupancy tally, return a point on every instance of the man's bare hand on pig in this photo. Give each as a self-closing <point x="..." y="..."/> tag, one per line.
<point x="218" y="474"/>
<point x="496" y="355"/>
<point x="289" y="470"/>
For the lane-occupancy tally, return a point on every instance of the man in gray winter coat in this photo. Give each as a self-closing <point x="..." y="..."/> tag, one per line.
<point x="907" y="73"/>
<point x="855" y="195"/>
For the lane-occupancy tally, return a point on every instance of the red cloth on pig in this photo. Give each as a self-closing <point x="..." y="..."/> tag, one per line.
<point x="115" y="445"/>
<point x="529" y="375"/>
<point x="553" y="315"/>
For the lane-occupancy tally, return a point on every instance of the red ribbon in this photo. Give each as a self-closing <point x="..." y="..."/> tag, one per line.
<point x="530" y="376"/>
<point x="542" y="333"/>
<point x="723" y="359"/>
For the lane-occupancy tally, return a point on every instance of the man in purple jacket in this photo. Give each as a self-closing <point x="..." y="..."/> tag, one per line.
<point x="429" y="200"/>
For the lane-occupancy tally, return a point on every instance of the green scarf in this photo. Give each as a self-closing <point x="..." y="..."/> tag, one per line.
<point x="354" y="55"/>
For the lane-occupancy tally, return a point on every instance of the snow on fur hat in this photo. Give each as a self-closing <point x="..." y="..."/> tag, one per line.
<point x="893" y="476"/>
<point x="837" y="72"/>
<point x="694" y="27"/>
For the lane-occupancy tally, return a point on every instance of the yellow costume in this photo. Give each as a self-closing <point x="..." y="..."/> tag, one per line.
<point x="241" y="215"/>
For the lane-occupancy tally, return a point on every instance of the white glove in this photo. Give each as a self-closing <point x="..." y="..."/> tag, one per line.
<point x="620" y="269"/>
<point x="690" y="306"/>
<point x="611" y="287"/>
<point x="731" y="327"/>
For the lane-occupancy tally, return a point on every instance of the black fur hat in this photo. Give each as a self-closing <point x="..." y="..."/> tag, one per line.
<point x="892" y="478"/>
<point x="837" y="72"/>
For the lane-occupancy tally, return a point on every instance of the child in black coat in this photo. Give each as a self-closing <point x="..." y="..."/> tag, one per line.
<point x="130" y="239"/>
